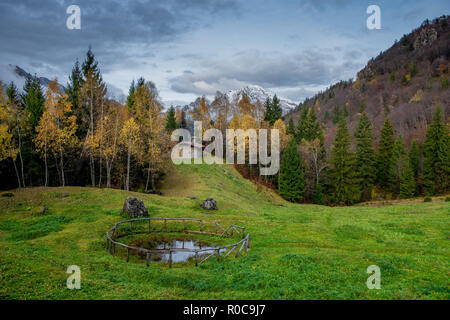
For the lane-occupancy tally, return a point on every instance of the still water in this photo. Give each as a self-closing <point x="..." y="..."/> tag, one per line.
<point x="177" y="256"/>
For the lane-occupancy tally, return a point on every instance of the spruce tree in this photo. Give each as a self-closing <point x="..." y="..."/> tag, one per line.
<point x="73" y="92"/>
<point x="365" y="157"/>
<point x="401" y="173"/>
<point x="277" y="111"/>
<point x="171" y="123"/>
<point x="326" y="116"/>
<point x="302" y="125"/>
<point x="414" y="159"/>
<point x="33" y="101"/>
<point x="130" y="98"/>
<point x="344" y="185"/>
<point x="313" y="130"/>
<point x="407" y="183"/>
<point x="437" y="156"/>
<point x="416" y="163"/>
<point x="273" y="110"/>
<point x="384" y="156"/>
<point x="336" y="113"/>
<point x="291" y="127"/>
<point x="268" y="113"/>
<point x="291" y="183"/>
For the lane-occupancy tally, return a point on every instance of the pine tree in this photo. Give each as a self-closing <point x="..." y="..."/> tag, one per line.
<point x="268" y="113"/>
<point x="313" y="129"/>
<point x="365" y="157"/>
<point x="317" y="196"/>
<point x="407" y="183"/>
<point x="362" y="106"/>
<point x="336" y="113"/>
<point x="33" y="101"/>
<point x="384" y="155"/>
<point x="171" y="123"/>
<point x="437" y="156"/>
<point x="291" y="184"/>
<point x="130" y="98"/>
<point x="345" y="111"/>
<point x="344" y="185"/>
<point x="92" y="96"/>
<point x="73" y="92"/>
<point x="326" y="116"/>
<point x="302" y="125"/>
<point x="401" y="169"/>
<point x="291" y="127"/>
<point x="414" y="159"/>
<point x="273" y="110"/>
<point x="277" y="111"/>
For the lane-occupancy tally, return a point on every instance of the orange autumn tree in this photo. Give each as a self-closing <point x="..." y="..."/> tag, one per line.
<point x="56" y="129"/>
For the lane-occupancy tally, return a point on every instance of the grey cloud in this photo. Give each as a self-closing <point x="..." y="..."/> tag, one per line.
<point x="119" y="31"/>
<point x="307" y="68"/>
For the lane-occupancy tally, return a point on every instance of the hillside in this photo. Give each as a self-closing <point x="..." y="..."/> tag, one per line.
<point x="10" y="73"/>
<point x="405" y="82"/>
<point x="297" y="251"/>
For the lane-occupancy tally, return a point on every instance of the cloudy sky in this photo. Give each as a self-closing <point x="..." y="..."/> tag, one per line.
<point x="196" y="47"/>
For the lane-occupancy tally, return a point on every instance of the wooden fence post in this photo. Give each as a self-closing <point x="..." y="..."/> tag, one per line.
<point x="148" y="258"/>
<point x="170" y="259"/>
<point x="196" y="258"/>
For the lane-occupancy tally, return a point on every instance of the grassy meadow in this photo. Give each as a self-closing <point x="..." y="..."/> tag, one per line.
<point x="297" y="251"/>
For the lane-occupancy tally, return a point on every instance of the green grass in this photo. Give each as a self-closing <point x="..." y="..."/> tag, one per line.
<point x="297" y="251"/>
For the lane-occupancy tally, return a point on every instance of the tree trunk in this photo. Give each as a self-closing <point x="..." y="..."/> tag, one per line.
<point x="92" y="163"/>
<point x="148" y="178"/>
<point x="20" y="155"/>
<point x="101" y="146"/>
<point x="62" y="167"/>
<point x="57" y="170"/>
<point x="17" y="172"/>
<point x="127" y="185"/>
<point x="46" y="169"/>
<point x="108" y="175"/>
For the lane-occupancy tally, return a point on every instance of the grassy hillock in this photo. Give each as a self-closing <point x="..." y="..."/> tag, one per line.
<point x="298" y="251"/>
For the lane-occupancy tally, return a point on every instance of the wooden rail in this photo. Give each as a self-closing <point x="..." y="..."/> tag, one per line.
<point x="244" y="244"/>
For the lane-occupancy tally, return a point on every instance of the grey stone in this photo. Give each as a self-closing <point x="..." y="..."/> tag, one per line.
<point x="192" y="197"/>
<point x="425" y="38"/>
<point x="135" y="208"/>
<point x="209" y="204"/>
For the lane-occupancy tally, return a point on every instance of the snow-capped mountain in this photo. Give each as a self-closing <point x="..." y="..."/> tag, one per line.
<point x="257" y="93"/>
<point x="10" y="73"/>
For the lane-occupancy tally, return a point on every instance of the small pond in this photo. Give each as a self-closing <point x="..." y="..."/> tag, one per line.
<point x="155" y="243"/>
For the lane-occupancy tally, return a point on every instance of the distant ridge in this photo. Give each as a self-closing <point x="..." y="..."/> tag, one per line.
<point x="257" y="93"/>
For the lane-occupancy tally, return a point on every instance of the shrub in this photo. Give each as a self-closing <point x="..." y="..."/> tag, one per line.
<point x="447" y="199"/>
<point x="444" y="83"/>
<point x="427" y="199"/>
<point x="8" y="194"/>
<point x="392" y="76"/>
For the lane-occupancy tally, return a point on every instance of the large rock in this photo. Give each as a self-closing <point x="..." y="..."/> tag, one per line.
<point x="135" y="208"/>
<point x="425" y="38"/>
<point x="209" y="204"/>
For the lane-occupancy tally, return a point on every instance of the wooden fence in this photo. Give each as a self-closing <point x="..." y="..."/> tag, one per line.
<point x="186" y="225"/>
